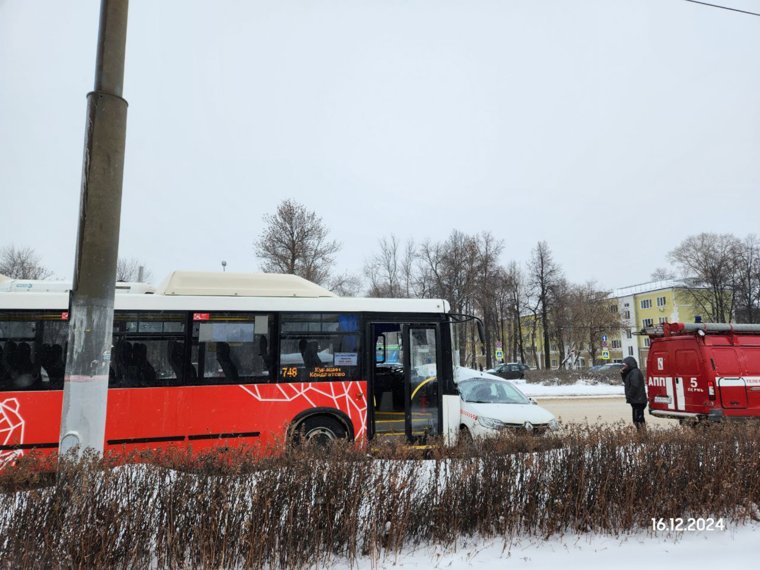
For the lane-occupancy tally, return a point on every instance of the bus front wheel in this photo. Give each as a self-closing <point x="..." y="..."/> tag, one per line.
<point x="320" y="430"/>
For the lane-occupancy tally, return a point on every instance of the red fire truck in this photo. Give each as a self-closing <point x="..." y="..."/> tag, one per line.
<point x="704" y="371"/>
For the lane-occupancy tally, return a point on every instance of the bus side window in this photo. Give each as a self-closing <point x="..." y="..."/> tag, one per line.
<point x="319" y="347"/>
<point x="32" y="355"/>
<point x="232" y="348"/>
<point x="3" y="374"/>
<point x="52" y="359"/>
<point x="224" y="358"/>
<point x="176" y="356"/>
<point x="141" y="353"/>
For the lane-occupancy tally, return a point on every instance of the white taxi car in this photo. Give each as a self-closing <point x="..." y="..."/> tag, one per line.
<point x="490" y="405"/>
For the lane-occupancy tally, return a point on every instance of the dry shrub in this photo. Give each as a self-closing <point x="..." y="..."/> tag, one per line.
<point x="304" y="508"/>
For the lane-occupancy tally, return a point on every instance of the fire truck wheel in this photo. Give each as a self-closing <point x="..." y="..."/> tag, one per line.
<point x="321" y="430"/>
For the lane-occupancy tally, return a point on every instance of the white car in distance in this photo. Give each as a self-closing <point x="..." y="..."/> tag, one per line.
<point x="490" y="405"/>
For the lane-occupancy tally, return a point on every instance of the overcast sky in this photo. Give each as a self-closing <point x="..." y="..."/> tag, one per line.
<point x="612" y="129"/>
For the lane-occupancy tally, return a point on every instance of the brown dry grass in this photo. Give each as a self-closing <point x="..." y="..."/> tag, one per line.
<point x="305" y="507"/>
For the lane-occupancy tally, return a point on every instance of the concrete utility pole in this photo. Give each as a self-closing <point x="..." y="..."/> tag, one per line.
<point x="85" y="390"/>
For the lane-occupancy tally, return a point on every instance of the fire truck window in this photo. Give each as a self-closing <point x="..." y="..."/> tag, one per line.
<point x="726" y="363"/>
<point x="687" y="362"/>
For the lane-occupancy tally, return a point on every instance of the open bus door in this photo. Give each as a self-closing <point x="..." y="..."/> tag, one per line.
<point x="404" y="381"/>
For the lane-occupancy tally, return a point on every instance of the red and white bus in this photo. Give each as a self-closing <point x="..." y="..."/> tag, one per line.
<point x="225" y="359"/>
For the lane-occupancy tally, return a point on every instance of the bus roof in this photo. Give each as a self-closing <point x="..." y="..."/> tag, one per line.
<point x="197" y="283"/>
<point x="8" y="285"/>
<point x="196" y="291"/>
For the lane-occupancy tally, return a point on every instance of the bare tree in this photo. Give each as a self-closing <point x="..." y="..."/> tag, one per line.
<point x="712" y="260"/>
<point x="131" y="270"/>
<point x="391" y="271"/>
<point x="560" y="317"/>
<point x="503" y="309"/>
<point x="448" y="270"/>
<point x="662" y="274"/>
<point x="748" y="280"/>
<point x="22" y="263"/>
<point x="486" y="285"/>
<point x="345" y="285"/>
<point x="295" y="240"/>
<point x="544" y="275"/>
<point x="593" y="314"/>
<point x="517" y="298"/>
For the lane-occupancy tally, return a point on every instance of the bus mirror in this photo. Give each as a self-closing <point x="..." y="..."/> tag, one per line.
<point x="380" y="351"/>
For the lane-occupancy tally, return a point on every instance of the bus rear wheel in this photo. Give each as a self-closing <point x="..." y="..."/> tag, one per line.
<point x="320" y="431"/>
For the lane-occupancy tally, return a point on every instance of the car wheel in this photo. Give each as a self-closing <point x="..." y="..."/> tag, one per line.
<point x="465" y="436"/>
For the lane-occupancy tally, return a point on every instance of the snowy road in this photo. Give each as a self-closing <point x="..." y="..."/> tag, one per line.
<point x="599" y="409"/>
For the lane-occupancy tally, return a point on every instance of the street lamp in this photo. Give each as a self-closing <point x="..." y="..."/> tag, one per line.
<point x="224" y="265"/>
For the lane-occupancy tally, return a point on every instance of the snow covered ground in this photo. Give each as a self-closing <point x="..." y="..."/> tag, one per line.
<point x="738" y="546"/>
<point x="735" y="547"/>
<point x="582" y="388"/>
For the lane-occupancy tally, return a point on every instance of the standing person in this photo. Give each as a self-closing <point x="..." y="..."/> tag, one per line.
<point x="635" y="390"/>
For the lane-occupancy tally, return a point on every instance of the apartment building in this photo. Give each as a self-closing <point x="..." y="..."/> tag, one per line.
<point x="650" y="304"/>
<point x="638" y="306"/>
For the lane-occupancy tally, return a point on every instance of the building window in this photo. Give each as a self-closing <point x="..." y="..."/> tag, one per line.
<point x="613" y="308"/>
<point x="628" y="334"/>
<point x="627" y="314"/>
<point x="630" y="351"/>
<point x="647" y="323"/>
<point x="660" y="301"/>
<point x="646" y="304"/>
<point x="647" y="342"/>
<point x="616" y="343"/>
<point x="663" y="320"/>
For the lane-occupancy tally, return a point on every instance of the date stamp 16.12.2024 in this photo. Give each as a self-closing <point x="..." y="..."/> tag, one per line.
<point x="689" y="524"/>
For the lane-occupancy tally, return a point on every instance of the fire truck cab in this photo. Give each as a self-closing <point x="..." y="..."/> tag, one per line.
<point x="704" y="371"/>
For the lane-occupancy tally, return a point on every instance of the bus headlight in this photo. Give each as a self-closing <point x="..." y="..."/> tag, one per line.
<point x="553" y="425"/>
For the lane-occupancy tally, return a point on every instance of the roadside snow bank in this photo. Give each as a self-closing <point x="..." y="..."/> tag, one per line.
<point x="735" y="547"/>
<point x="582" y="388"/>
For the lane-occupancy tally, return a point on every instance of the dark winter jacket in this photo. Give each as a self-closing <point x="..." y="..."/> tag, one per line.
<point x="633" y="379"/>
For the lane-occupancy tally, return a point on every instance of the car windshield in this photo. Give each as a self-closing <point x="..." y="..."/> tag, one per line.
<point x="486" y="391"/>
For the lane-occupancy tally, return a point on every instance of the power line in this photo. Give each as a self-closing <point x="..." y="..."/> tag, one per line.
<point x="723" y="7"/>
